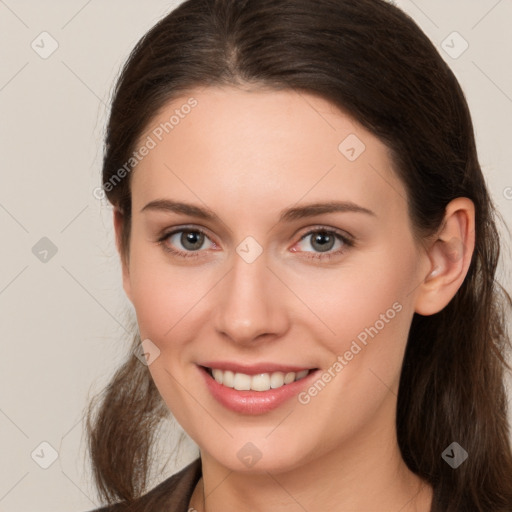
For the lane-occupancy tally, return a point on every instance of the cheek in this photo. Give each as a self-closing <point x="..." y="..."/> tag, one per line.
<point x="364" y="312"/>
<point x="370" y="315"/>
<point x="156" y="293"/>
<point x="168" y="299"/>
<point x="161" y="305"/>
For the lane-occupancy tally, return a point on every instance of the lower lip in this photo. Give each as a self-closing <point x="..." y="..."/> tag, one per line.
<point x="254" y="402"/>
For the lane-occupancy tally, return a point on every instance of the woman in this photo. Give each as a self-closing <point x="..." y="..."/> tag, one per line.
<point x="310" y="248"/>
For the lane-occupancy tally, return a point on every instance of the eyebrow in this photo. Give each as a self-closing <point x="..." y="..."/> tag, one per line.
<point x="286" y="215"/>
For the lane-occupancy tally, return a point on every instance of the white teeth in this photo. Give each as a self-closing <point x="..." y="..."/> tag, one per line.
<point x="242" y="382"/>
<point x="217" y="375"/>
<point x="276" y="380"/>
<point x="302" y="374"/>
<point x="289" y="377"/>
<point x="228" y="378"/>
<point x="259" y="382"/>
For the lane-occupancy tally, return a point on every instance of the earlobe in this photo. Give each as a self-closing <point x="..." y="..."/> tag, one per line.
<point x="450" y="256"/>
<point x="119" y="221"/>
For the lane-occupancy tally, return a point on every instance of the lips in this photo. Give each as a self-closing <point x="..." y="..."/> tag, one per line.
<point x="254" y="389"/>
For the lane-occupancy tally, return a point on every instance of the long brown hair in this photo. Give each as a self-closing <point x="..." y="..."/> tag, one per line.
<point x="371" y="60"/>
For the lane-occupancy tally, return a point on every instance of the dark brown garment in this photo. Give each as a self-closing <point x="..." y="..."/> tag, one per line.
<point x="172" y="495"/>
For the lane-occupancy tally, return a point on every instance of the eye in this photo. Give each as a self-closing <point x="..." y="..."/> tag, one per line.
<point x="187" y="242"/>
<point x="322" y="241"/>
<point x="190" y="239"/>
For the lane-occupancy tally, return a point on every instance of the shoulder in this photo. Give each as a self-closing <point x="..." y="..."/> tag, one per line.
<point x="174" y="492"/>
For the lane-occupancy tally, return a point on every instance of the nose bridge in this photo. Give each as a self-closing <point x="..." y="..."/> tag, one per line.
<point x="249" y="304"/>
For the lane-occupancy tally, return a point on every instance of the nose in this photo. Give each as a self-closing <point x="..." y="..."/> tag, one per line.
<point x="251" y="303"/>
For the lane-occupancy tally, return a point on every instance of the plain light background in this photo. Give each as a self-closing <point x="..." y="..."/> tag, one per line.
<point x="63" y="314"/>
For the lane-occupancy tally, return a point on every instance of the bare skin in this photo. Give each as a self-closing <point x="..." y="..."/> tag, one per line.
<point x="246" y="155"/>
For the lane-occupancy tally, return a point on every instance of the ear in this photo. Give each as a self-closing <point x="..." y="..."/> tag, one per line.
<point x="119" y="222"/>
<point x="450" y="256"/>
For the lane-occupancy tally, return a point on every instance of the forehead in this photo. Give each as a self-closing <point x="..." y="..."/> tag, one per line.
<point x="257" y="147"/>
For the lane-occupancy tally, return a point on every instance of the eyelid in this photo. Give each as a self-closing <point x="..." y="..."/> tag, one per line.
<point x="327" y="229"/>
<point x="348" y="241"/>
<point x="178" y="229"/>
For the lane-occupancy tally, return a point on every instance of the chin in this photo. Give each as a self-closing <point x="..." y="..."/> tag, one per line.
<point x="259" y="454"/>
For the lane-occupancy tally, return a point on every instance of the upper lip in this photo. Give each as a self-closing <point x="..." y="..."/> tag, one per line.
<point x="254" y="369"/>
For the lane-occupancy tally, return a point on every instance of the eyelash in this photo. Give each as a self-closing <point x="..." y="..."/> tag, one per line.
<point x="347" y="241"/>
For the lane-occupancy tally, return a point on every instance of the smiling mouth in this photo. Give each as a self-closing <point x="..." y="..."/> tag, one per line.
<point x="258" y="382"/>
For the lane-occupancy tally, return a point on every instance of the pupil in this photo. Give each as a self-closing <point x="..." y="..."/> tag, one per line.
<point x="191" y="238"/>
<point x="323" y="239"/>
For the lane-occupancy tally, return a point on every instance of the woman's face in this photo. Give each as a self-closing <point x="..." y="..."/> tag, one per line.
<point x="275" y="286"/>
